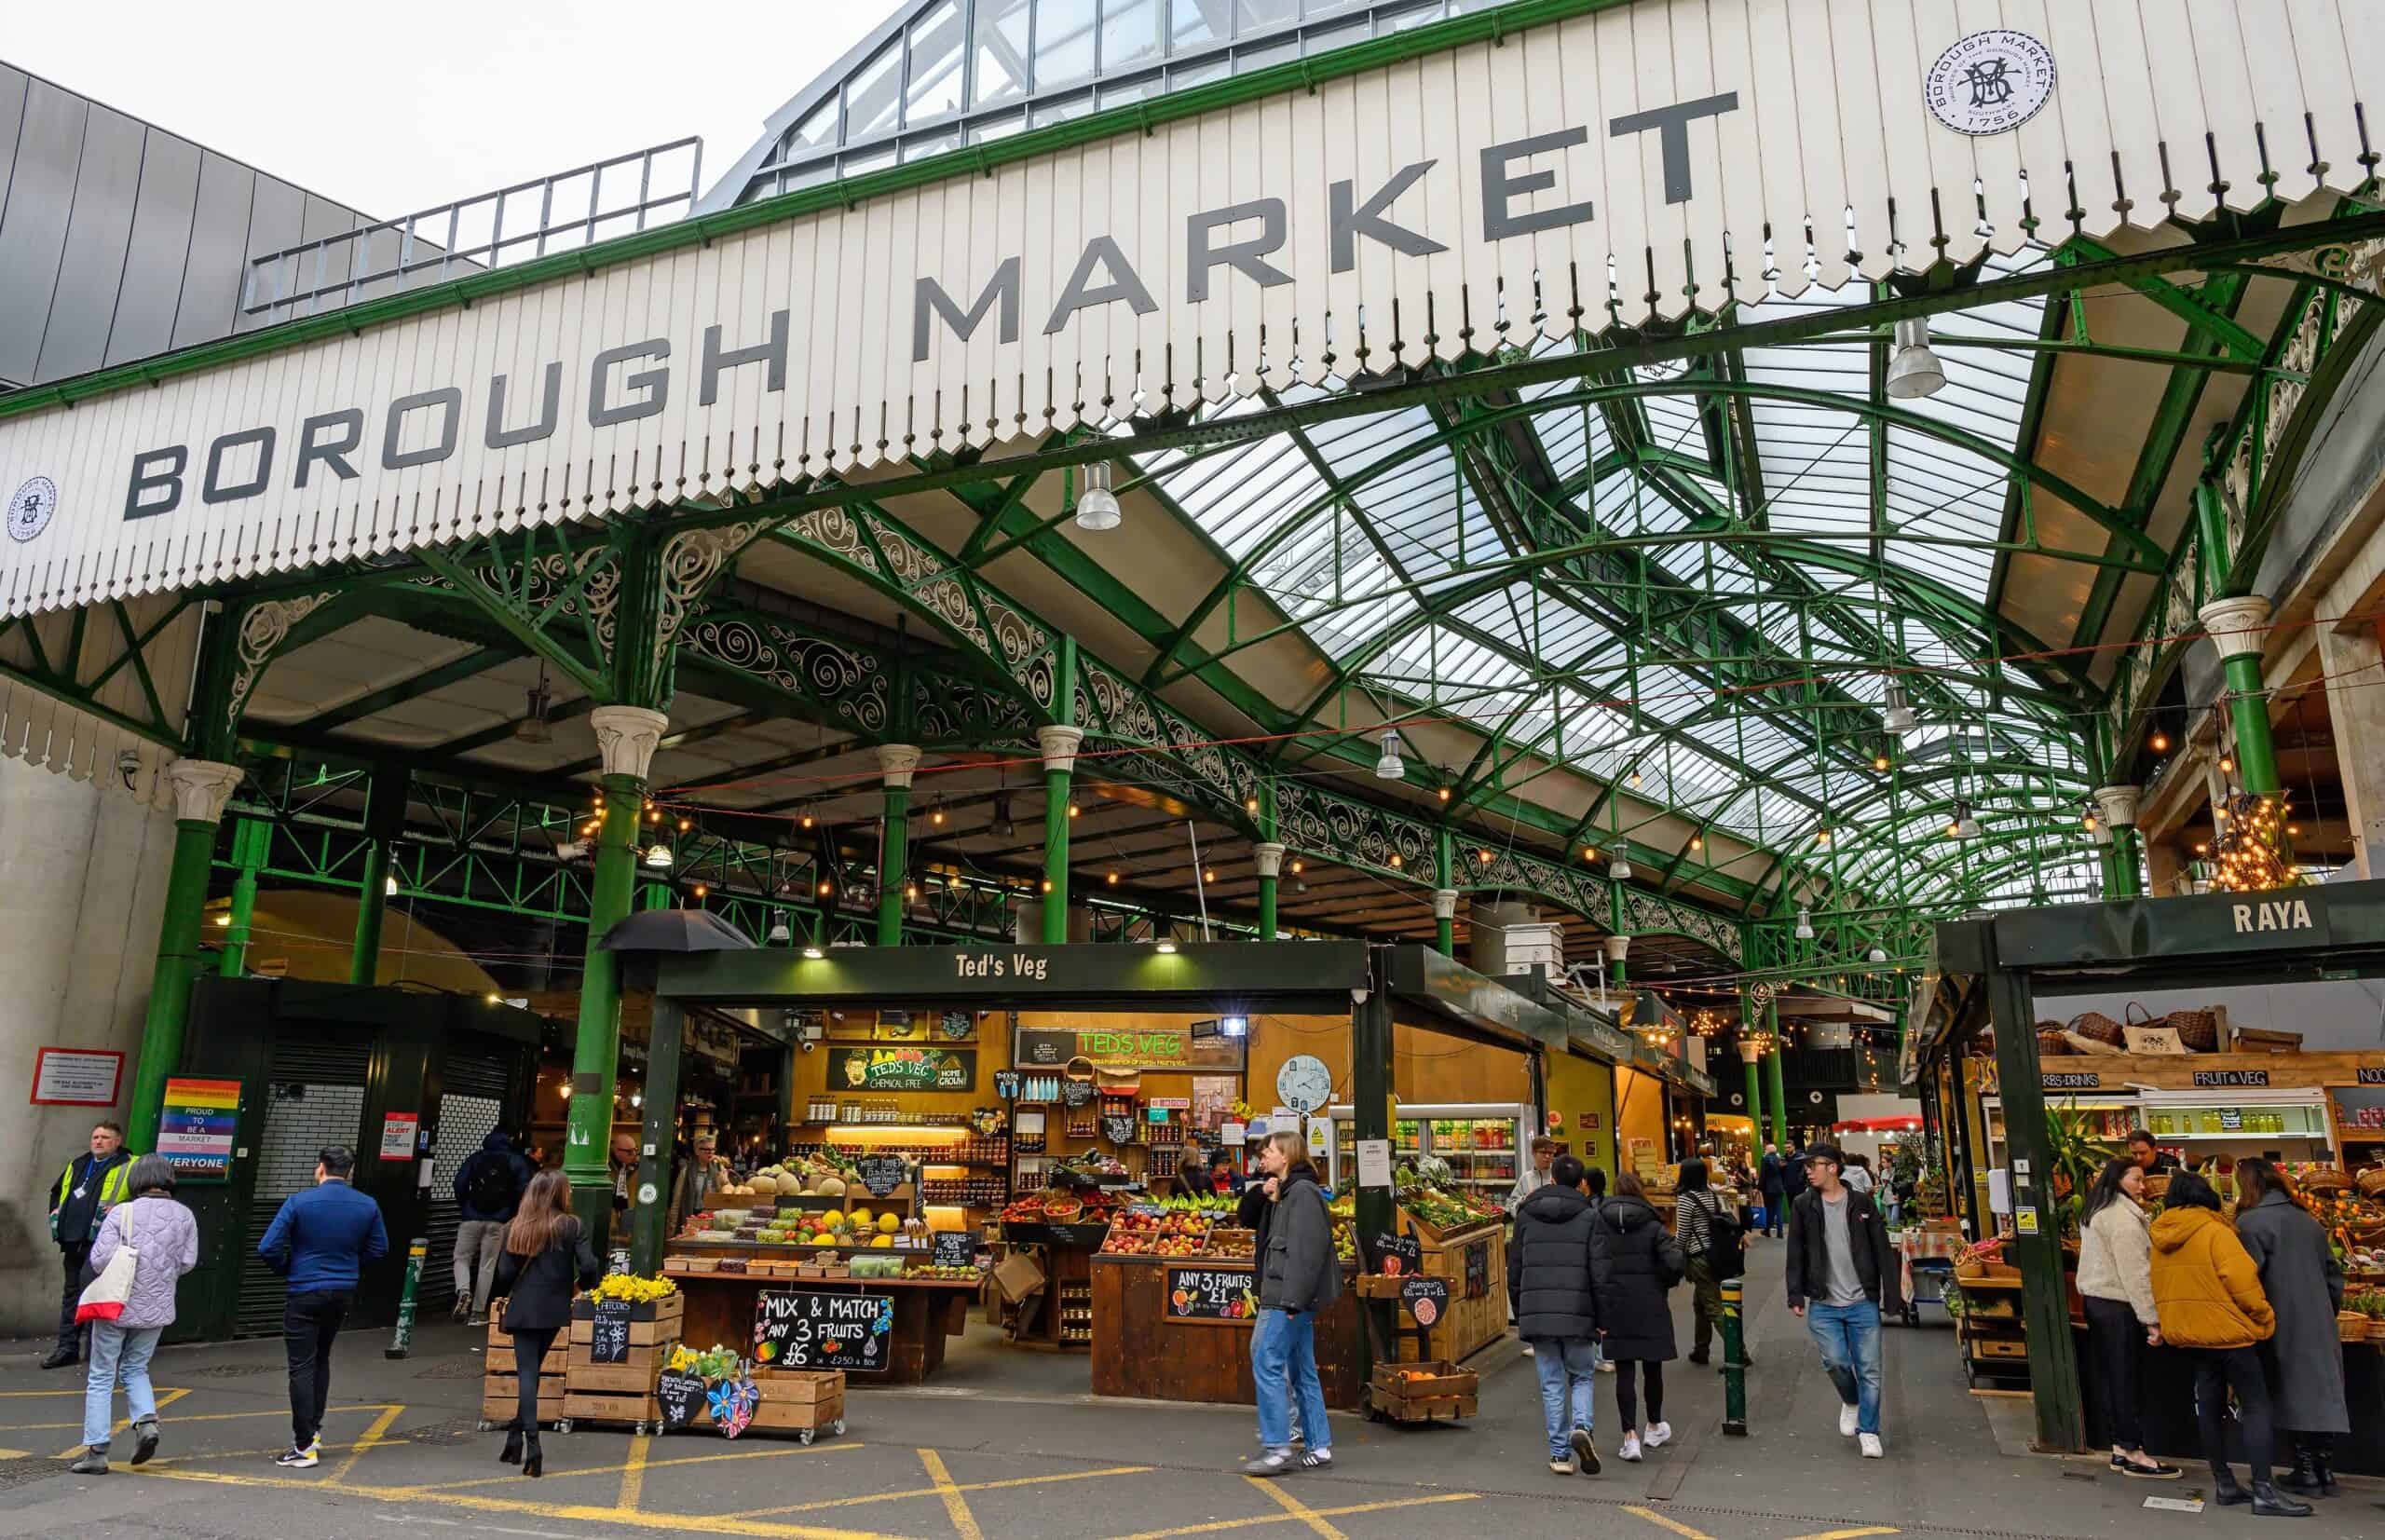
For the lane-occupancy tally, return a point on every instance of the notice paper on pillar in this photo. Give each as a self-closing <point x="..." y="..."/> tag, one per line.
<point x="76" y="1077"/>
<point x="397" y="1134"/>
<point x="1374" y="1162"/>
<point x="196" y="1125"/>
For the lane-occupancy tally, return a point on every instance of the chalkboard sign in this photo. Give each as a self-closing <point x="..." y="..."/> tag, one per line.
<point x="956" y="1025"/>
<point x="1477" y="1269"/>
<point x="609" y="1338"/>
<point x="1118" y="1129"/>
<point x="2231" y="1120"/>
<point x="1426" y="1299"/>
<point x="682" y="1396"/>
<point x="799" y="1329"/>
<point x="1006" y="1084"/>
<point x="954" y="1247"/>
<point x="1046" y="1047"/>
<point x="1076" y="1093"/>
<point x="1210" y="1295"/>
<point x="1398" y="1256"/>
<point x="882" y="1174"/>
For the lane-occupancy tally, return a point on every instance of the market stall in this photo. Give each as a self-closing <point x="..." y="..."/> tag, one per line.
<point x="2041" y="1036"/>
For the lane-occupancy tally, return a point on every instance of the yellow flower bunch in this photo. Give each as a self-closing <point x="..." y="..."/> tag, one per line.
<point x="625" y="1286"/>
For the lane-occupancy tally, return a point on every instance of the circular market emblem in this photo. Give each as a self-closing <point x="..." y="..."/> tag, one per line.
<point x="1990" y="82"/>
<point x="30" y="510"/>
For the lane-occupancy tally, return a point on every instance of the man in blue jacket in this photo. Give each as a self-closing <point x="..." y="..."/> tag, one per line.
<point x="318" y="1241"/>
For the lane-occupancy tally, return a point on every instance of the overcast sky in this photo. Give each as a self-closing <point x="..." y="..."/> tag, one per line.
<point x="391" y="108"/>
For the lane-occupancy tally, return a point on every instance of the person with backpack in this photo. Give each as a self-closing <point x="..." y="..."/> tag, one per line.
<point x="488" y="1189"/>
<point x="1634" y="1262"/>
<point x="1705" y="1223"/>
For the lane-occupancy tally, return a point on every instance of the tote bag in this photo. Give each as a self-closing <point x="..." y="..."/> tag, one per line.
<point x="104" y="1298"/>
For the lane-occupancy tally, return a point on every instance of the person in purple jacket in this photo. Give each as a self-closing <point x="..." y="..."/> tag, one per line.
<point x="165" y="1240"/>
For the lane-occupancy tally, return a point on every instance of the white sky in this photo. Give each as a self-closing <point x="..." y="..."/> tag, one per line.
<point x="391" y="108"/>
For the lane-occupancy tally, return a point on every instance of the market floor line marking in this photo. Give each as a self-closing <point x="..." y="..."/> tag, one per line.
<point x="164" y="1399"/>
<point x="1216" y="1526"/>
<point x="1662" y="1522"/>
<point x="634" y="1475"/>
<point x="956" y="1507"/>
<point x="254" y="1454"/>
<point x="1297" y="1508"/>
<point x="1850" y="1535"/>
<point x="818" y="1503"/>
<point x="372" y="1436"/>
<point x="584" y="1512"/>
<point x="769" y="1454"/>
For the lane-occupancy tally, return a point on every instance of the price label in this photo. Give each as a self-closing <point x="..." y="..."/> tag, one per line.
<point x="609" y="1338"/>
<point x="682" y="1396"/>
<point x="1076" y="1093"/>
<point x="1398" y="1256"/>
<point x="1118" y="1129"/>
<point x="882" y="1174"/>
<point x="1426" y="1299"/>
<point x="954" y="1247"/>
<point x="804" y="1329"/>
<point x="1216" y="1295"/>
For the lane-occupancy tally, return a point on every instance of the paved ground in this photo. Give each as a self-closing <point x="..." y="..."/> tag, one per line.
<point x="1007" y="1444"/>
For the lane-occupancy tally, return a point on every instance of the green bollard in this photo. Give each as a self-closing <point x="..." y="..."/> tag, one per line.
<point x="402" y="1334"/>
<point x="1734" y="1362"/>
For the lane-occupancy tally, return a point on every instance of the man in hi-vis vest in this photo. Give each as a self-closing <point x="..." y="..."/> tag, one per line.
<point x="91" y="1185"/>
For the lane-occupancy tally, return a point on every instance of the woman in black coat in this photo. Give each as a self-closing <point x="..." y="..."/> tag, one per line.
<point x="1634" y="1261"/>
<point x="545" y="1264"/>
<point x="2305" y="1285"/>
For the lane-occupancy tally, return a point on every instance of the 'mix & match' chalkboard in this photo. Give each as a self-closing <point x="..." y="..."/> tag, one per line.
<point x="801" y="1328"/>
<point x="1211" y="1296"/>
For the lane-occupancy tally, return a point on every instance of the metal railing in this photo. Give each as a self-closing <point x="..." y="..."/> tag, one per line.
<point x="573" y="208"/>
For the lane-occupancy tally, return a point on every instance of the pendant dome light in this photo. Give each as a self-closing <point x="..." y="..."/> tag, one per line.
<point x="1897" y="718"/>
<point x="1391" y="766"/>
<point x="1804" y="924"/>
<point x="1096" y="505"/>
<point x="781" y="933"/>
<point x="534" y="727"/>
<point x="1878" y="954"/>
<point x="658" y="856"/>
<point x="1914" y="370"/>
<point x="1965" y="825"/>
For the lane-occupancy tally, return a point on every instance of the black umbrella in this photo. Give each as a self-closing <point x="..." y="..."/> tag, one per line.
<point x="676" y="930"/>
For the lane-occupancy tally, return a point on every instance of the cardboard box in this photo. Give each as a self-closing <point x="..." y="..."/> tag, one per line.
<point x="1019" y="1278"/>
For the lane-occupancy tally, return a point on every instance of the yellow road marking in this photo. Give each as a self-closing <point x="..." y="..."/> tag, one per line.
<point x="254" y="1454"/>
<point x="816" y="1506"/>
<point x="76" y="1390"/>
<point x="370" y="1437"/>
<point x="1673" y="1524"/>
<point x="1297" y="1508"/>
<point x="634" y="1474"/>
<point x="591" y="1513"/>
<point x="956" y="1507"/>
<point x="195" y="1416"/>
<point x="657" y="1465"/>
<point x="164" y="1399"/>
<point x="1215" y="1525"/>
<point x="1850" y="1535"/>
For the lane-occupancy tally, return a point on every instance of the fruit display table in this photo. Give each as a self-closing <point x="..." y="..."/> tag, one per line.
<point x="1177" y="1329"/>
<point x="930" y="1304"/>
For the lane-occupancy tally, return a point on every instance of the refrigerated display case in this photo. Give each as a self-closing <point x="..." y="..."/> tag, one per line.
<point x="1486" y="1143"/>
<point x="2291" y="1124"/>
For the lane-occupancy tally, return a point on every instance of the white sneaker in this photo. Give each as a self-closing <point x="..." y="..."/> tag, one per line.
<point x="1631" y="1449"/>
<point x="1847" y="1420"/>
<point x="1528" y="1352"/>
<point x="1872" y="1447"/>
<point x="1659" y="1434"/>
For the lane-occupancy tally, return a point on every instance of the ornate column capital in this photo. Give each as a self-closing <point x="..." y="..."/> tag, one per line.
<point x="627" y="737"/>
<point x="897" y="762"/>
<point x="2117" y="805"/>
<point x="1750" y="1053"/>
<point x="1618" y="947"/>
<point x="1445" y="904"/>
<point x="1058" y="746"/>
<point x="1270" y="856"/>
<point x="2236" y="624"/>
<point x="202" y="787"/>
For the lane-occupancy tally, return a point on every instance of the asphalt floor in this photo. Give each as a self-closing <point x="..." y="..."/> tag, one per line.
<point x="1007" y="1443"/>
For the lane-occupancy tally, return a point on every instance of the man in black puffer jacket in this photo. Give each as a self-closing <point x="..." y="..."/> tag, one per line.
<point x="1548" y="1288"/>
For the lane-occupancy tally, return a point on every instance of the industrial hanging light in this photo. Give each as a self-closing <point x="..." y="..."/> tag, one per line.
<point x="1878" y="954"/>
<point x="1804" y="924"/>
<point x="1391" y="766"/>
<point x="658" y="856"/>
<point x="1966" y="825"/>
<point x="781" y="932"/>
<point x="2159" y="742"/>
<point x="1914" y="370"/>
<point x="1002" y="826"/>
<point x="1621" y="870"/>
<point x="389" y="885"/>
<point x="1898" y="717"/>
<point x="1096" y="505"/>
<point x="535" y="727"/>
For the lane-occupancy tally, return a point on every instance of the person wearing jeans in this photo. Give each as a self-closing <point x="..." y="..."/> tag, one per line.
<point x="1298" y="1276"/>
<point x="1839" y="1271"/>
<point x="1550" y="1295"/>
<point x="164" y="1239"/>
<point x="318" y="1240"/>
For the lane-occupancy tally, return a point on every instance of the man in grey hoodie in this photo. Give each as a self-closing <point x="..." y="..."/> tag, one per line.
<point x="1298" y="1277"/>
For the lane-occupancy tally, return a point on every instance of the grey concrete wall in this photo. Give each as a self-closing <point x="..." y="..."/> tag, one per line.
<point x="82" y="886"/>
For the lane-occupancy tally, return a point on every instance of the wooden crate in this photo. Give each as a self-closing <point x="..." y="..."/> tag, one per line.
<point x="635" y="1375"/>
<point x="1471" y="1325"/>
<point x="642" y="1333"/>
<point x="500" y="1400"/>
<point x="500" y="1354"/>
<point x="2000" y="1347"/>
<point x="594" y="1407"/>
<point x="1443" y="1394"/>
<point x="793" y="1400"/>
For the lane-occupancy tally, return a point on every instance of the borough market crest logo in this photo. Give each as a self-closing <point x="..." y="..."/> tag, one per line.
<point x="30" y="510"/>
<point x="1990" y="82"/>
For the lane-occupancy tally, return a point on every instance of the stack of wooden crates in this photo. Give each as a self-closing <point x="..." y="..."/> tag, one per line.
<point x="500" y="1389"/>
<point x="620" y="1392"/>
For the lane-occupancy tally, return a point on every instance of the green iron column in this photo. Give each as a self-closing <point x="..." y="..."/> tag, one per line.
<point x="1269" y="856"/>
<point x="627" y="737"/>
<point x="897" y="762"/>
<point x="384" y="812"/>
<point x="202" y="787"/>
<point x="2117" y="808"/>
<point x="2238" y="628"/>
<point x="1058" y="746"/>
<point x="1778" y="1094"/>
<point x="251" y="843"/>
<point x="648" y="1219"/>
<point x="1444" y="895"/>
<point x="1749" y="1056"/>
<point x="1370" y="1119"/>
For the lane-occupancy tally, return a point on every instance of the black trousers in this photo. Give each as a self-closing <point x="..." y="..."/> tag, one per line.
<point x="1628" y="1404"/>
<point x="2218" y="1370"/>
<point x="74" y="1255"/>
<point x="2119" y="1340"/>
<point x="309" y="1322"/>
<point x="529" y="1352"/>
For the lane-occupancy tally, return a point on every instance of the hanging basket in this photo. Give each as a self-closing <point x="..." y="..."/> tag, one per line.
<point x="2372" y="1181"/>
<point x="2198" y="1030"/>
<point x="2096" y="1027"/>
<point x="2052" y="1043"/>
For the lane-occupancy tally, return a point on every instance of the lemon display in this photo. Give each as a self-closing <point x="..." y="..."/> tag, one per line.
<point x="830" y="1219"/>
<point x="863" y="1219"/>
<point x="888" y="1224"/>
<point x="884" y="1242"/>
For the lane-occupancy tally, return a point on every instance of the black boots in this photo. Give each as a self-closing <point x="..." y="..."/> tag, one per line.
<point x="2224" y="1490"/>
<point x="511" y="1453"/>
<point x="534" y="1461"/>
<point x="61" y="1357"/>
<point x="2270" y="1503"/>
<point x="2313" y="1474"/>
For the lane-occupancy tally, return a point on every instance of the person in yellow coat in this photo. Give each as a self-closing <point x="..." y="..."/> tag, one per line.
<point x="2208" y="1294"/>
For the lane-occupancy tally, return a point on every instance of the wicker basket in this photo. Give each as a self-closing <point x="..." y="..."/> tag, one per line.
<point x="2325" y="1180"/>
<point x="2371" y="1181"/>
<point x="2098" y="1028"/>
<point x="2198" y="1030"/>
<point x="2351" y="1326"/>
<point x="2051" y="1044"/>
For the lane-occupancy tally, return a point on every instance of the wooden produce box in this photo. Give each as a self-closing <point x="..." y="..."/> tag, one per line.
<point x="500" y="1352"/>
<point x="649" y="1323"/>
<point x="611" y="1409"/>
<point x="793" y="1400"/>
<point x="633" y="1376"/>
<point x="1473" y="1323"/>
<point x="1433" y="1391"/>
<point x="500" y="1398"/>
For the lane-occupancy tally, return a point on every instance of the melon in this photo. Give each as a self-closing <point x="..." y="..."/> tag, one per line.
<point x="831" y="1186"/>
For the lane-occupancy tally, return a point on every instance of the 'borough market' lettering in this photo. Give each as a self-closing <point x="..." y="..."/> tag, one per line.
<point x="625" y="383"/>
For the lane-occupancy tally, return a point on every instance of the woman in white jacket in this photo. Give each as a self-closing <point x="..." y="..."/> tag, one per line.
<point x="2116" y="1282"/>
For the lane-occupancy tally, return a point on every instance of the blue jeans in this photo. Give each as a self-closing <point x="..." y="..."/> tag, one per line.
<point x="1283" y="1364"/>
<point x="118" y="1354"/>
<point x="1849" y="1338"/>
<point x="1568" y="1369"/>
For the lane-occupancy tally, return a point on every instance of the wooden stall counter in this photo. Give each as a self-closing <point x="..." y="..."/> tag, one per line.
<point x="1473" y="1261"/>
<point x="721" y="1308"/>
<point x="1177" y="1329"/>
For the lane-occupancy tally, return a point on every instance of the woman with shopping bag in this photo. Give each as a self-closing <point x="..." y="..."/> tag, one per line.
<point x="140" y="1253"/>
